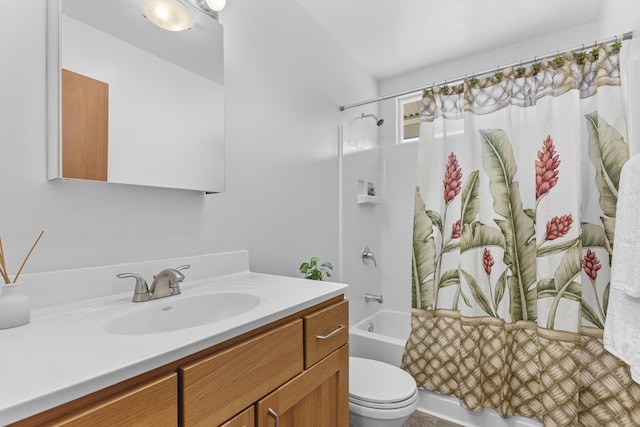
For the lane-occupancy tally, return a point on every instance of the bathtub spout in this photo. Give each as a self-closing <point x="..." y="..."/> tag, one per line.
<point x="372" y="297"/>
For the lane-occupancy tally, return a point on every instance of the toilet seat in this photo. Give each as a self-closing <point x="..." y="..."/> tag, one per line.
<point x="385" y="405"/>
<point x="378" y="385"/>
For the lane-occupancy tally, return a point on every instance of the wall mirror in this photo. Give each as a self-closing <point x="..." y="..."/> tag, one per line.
<point x="131" y="103"/>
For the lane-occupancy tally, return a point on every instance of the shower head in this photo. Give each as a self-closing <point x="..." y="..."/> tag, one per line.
<point x="378" y="122"/>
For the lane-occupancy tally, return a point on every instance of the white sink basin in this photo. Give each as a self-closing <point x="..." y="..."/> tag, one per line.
<point x="171" y="314"/>
<point x="190" y="309"/>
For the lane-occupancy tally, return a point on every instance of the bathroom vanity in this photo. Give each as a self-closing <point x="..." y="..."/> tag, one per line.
<point x="283" y="361"/>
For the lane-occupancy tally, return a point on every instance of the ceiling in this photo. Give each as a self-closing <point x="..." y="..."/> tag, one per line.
<point x="390" y="38"/>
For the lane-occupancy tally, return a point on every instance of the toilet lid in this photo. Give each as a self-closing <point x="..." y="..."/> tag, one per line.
<point x="374" y="382"/>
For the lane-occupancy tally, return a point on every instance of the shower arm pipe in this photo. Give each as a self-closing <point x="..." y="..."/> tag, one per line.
<point x="625" y="36"/>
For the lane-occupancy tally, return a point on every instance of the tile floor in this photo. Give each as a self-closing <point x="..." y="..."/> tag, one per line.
<point x="420" y="419"/>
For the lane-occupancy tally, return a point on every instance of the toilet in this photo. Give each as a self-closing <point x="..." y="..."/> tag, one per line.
<point x="380" y="394"/>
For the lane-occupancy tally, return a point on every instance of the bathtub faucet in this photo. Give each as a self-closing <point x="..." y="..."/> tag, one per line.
<point x="372" y="297"/>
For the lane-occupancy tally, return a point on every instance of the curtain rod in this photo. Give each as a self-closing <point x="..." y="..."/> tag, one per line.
<point x="625" y="36"/>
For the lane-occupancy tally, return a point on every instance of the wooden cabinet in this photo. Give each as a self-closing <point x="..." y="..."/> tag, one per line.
<point x="296" y="366"/>
<point x="217" y="387"/>
<point x="152" y="404"/>
<point x="310" y="394"/>
<point x="324" y="331"/>
<point x="318" y="397"/>
<point x="244" y="419"/>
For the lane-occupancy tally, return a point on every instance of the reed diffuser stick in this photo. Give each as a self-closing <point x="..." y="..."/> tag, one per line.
<point x="4" y="275"/>
<point x="15" y="279"/>
<point x="3" y="266"/>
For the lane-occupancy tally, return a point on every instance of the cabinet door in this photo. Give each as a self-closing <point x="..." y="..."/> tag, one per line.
<point x="244" y="419"/>
<point x="318" y="397"/>
<point x="151" y="404"/>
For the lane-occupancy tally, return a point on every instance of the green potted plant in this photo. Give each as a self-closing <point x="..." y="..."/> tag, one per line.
<point x="314" y="271"/>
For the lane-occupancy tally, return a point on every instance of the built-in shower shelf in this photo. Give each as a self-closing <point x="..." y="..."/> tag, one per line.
<point x="364" y="199"/>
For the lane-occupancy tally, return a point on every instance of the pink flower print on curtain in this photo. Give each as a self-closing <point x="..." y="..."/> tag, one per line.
<point x="487" y="261"/>
<point x="559" y="226"/>
<point x="546" y="168"/>
<point x="455" y="230"/>
<point x="591" y="264"/>
<point x="452" y="179"/>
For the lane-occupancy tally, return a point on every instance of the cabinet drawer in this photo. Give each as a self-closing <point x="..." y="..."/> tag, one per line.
<point x="152" y="404"/>
<point x="325" y="331"/>
<point x="220" y="386"/>
<point x="244" y="419"/>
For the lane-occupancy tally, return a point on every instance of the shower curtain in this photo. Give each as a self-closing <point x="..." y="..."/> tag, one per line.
<point x="513" y="231"/>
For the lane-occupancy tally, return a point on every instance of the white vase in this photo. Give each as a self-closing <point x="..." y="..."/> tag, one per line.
<point x="15" y="306"/>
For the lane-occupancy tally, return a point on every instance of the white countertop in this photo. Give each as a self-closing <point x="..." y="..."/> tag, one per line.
<point x="59" y="357"/>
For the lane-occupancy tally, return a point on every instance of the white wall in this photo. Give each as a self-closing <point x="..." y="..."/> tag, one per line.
<point x="361" y="222"/>
<point x="618" y="17"/>
<point x="396" y="225"/>
<point x="285" y="79"/>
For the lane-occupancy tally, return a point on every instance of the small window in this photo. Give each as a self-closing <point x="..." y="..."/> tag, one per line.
<point x="409" y="118"/>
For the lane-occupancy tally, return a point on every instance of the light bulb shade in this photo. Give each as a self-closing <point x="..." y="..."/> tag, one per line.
<point x="169" y="15"/>
<point x="216" y="5"/>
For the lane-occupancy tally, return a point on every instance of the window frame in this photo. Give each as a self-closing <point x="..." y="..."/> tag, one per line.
<point x="400" y="102"/>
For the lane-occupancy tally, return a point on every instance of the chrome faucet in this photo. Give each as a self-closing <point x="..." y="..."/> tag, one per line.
<point x="372" y="297"/>
<point x="165" y="284"/>
<point x="368" y="255"/>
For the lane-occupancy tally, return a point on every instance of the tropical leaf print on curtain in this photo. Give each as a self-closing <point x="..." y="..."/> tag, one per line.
<point x="424" y="255"/>
<point x="608" y="152"/>
<point x="516" y="226"/>
<point x="516" y="231"/>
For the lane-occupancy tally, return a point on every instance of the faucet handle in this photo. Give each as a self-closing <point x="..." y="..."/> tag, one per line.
<point x="141" y="291"/>
<point x="368" y="255"/>
<point x="183" y="267"/>
<point x="177" y="278"/>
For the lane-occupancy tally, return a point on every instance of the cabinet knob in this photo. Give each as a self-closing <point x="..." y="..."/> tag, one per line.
<point x="273" y="415"/>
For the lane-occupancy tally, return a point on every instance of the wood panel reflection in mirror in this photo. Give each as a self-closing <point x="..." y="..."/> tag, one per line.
<point x="85" y="127"/>
<point x="165" y="96"/>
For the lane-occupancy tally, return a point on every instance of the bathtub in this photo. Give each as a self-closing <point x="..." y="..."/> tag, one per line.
<point x="382" y="336"/>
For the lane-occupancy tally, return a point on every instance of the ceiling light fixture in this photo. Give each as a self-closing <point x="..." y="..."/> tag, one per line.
<point x="216" y="5"/>
<point x="169" y="15"/>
